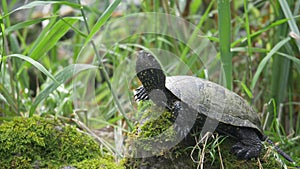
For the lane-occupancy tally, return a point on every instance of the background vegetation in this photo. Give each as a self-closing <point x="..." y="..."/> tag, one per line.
<point x="257" y="41"/>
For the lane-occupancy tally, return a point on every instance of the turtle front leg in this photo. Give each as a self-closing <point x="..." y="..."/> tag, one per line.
<point x="184" y="118"/>
<point x="249" y="144"/>
<point x="140" y="94"/>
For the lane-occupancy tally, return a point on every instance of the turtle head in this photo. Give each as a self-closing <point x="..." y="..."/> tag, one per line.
<point x="150" y="72"/>
<point x="151" y="75"/>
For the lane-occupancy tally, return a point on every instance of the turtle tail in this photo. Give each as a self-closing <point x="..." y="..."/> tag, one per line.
<point x="279" y="151"/>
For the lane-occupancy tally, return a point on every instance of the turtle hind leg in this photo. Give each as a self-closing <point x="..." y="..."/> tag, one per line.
<point x="140" y="94"/>
<point x="249" y="144"/>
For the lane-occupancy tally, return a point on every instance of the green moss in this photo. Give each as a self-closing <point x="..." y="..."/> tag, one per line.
<point x="143" y="139"/>
<point x="179" y="156"/>
<point x="44" y="143"/>
<point x="156" y="125"/>
<point x="100" y="163"/>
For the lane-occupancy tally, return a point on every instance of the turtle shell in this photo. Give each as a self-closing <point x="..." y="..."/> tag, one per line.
<point x="214" y="101"/>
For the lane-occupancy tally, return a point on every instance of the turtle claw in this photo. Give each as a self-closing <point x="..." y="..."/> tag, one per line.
<point x="245" y="151"/>
<point x="239" y="150"/>
<point x="184" y="119"/>
<point x="181" y="131"/>
<point x="140" y="94"/>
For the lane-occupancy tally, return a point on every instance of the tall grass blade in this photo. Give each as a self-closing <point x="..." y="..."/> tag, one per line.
<point x="61" y="77"/>
<point x="36" y="64"/>
<point x="246" y="89"/>
<point x="2" y="98"/>
<point x="257" y="33"/>
<point x="292" y="23"/>
<point x="9" y="99"/>
<point x="43" y="3"/>
<point x="265" y="60"/>
<point x="26" y="24"/>
<point x="50" y="39"/>
<point x="249" y="41"/>
<point x="5" y="11"/>
<point x="103" y="18"/>
<point x="224" y="24"/>
<point x="292" y="58"/>
<point x="281" y="67"/>
<point x="196" y="31"/>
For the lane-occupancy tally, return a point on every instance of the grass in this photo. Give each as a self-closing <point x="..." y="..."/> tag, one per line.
<point x="224" y="22"/>
<point x="38" y="75"/>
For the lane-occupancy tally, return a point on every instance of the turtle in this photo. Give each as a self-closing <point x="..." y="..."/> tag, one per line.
<point x="186" y="96"/>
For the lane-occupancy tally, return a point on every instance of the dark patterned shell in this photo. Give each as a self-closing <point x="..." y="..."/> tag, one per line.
<point x="214" y="101"/>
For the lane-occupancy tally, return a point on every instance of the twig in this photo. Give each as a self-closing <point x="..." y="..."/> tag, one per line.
<point x="220" y="155"/>
<point x="100" y="140"/>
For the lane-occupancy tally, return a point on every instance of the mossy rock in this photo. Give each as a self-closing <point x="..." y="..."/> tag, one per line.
<point x="98" y="163"/>
<point x="46" y="143"/>
<point x="216" y="153"/>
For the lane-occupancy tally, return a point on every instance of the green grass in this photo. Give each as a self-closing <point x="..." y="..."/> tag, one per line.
<point x="224" y="23"/>
<point x="37" y="64"/>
